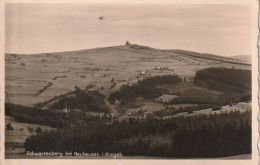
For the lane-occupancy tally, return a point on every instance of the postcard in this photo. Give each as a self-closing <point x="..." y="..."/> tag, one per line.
<point x="129" y="82"/>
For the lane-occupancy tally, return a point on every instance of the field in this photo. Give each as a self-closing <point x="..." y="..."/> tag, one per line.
<point x="14" y="139"/>
<point x="241" y="107"/>
<point x="26" y="75"/>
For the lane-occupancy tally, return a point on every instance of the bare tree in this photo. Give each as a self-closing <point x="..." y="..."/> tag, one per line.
<point x="21" y="130"/>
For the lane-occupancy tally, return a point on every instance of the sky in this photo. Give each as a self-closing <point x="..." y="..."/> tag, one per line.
<point x="206" y="28"/>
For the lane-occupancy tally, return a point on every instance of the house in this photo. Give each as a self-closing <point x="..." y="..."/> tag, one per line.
<point x="142" y="73"/>
<point x="66" y="109"/>
<point x="116" y="101"/>
<point x="129" y="84"/>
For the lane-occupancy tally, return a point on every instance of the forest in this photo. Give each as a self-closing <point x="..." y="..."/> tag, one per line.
<point x="209" y="136"/>
<point x="148" y="88"/>
<point x="85" y="100"/>
<point x="235" y="85"/>
<point x="225" y="79"/>
<point x="50" y="118"/>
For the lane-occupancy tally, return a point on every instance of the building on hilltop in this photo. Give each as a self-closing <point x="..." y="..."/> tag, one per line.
<point x="127" y="43"/>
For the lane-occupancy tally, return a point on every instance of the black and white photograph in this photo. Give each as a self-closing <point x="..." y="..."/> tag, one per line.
<point x="145" y="81"/>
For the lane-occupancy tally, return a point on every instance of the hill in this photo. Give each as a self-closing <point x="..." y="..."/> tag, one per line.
<point x="36" y="78"/>
<point x="232" y="60"/>
<point x="245" y="58"/>
<point x="131" y="99"/>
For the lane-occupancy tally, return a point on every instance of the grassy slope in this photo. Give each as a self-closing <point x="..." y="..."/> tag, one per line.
<point x="98" y="66"/>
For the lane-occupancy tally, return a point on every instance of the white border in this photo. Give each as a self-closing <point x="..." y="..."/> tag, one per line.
<point x="255" y="154"/>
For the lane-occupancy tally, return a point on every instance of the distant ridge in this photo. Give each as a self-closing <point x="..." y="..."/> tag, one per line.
<point x="210" y="56"/>
<point x="245" y="58"/>
<point x="241" y="60"/>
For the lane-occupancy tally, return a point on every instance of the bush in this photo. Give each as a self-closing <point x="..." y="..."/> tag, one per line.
<point x="38" y="130"/>
<point x="49" y="84"/>
<point x="90" y="86"/>
<point x="30" y="129"/>
<point x="9" y="127"/>
<point x="113" y="85"/>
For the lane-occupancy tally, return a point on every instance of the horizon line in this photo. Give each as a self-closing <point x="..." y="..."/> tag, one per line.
<point x="65" y="51"/>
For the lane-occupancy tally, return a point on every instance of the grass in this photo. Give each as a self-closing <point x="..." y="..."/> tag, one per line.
<point x="17" y="138"/>
<point x="16" y="135"/>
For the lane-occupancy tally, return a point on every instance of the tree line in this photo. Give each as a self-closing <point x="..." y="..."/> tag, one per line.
<point x="51" y="118"/>
<point x="215" y="135"/>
